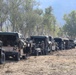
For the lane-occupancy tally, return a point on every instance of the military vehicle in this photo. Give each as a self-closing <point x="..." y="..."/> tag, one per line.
<point x="72" y="44"/>
<point x="60" y="43"/>
<point x="40" y="45"/>
<point x="13" y="45"/>
<point x="66" y="43"/>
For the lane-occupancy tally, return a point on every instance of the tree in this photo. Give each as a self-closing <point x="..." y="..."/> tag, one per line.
<point x="32" y="16"/>
<point x="3" y="13"/>
<point x="39" y="11"/>
<point x="13" y="13"/>
<point x="70" y="24"/>
<point x="24" y="16"/>
<point x="49" y="20"/>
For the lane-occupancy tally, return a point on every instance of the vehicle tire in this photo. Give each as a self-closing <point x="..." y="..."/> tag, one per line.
<point x="45" y="52"/>
<point x="24" y="57"/>
<point x="17" y="56"/>
<point x="61" y="48"/>
<point x="2" y="60"/>
<point x="6" y="57"/>
<point x="40" y="53"/>
<point x="36" y="53"/>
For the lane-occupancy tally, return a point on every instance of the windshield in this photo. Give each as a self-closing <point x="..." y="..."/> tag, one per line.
<point x="38" y="40"/>
<point x="8" y="39"/>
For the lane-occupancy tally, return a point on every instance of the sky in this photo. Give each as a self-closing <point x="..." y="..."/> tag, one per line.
<point x="60" y="7"/>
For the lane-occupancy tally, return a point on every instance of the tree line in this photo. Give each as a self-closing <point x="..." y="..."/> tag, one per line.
<point x="26" y="17"/>
<point x="69" y="27"/>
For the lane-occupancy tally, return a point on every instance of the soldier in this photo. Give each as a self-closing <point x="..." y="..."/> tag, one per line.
<point x="42" y="47"/>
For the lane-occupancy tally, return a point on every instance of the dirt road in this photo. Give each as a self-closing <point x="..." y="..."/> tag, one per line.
<point x="58" y="63"/>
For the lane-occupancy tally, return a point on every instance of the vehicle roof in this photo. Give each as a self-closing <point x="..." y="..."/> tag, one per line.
<point x="7" y="33"/>
<point x="65" y="39"/>
<point x="61" y="38"/>
<point x="58" y="38"/>
<point x="71" y="40"/>
<point x="38" y="36"/>
<point x="11" y="33"/>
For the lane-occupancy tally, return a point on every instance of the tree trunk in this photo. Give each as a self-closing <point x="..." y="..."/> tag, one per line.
<point x="1" y="26"/>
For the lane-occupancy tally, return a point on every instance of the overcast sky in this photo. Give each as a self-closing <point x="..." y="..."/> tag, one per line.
<point x="60" y="7"/>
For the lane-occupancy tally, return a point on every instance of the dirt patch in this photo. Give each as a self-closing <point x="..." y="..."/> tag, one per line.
<point x="59" y="63"/>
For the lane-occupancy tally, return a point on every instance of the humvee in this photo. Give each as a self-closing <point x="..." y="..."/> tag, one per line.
<point x="40" y="45"/>
<point x="67" y="43"/>
<point x="13" y="45"/>
<point x="72" y="44"/>
<point x="60" y="43"/>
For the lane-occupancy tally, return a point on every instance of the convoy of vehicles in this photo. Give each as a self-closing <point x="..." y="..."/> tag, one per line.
<point x="14" y="45"/>
<point x="64" y="43"/>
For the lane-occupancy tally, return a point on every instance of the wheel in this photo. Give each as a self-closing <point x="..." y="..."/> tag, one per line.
<point x="6" y="57"/>
<point x="36" y="53"/>
<point x="24" y="57"/>
<point x="17" y="56"/>
<point x="2" y="60"/>
<point x="45" y="52"/>
<point x="42" y="52"/>
<point x="61" y="47"/>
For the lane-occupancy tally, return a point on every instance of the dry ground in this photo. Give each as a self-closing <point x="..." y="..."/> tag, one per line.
<point x="58" y="63"/>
